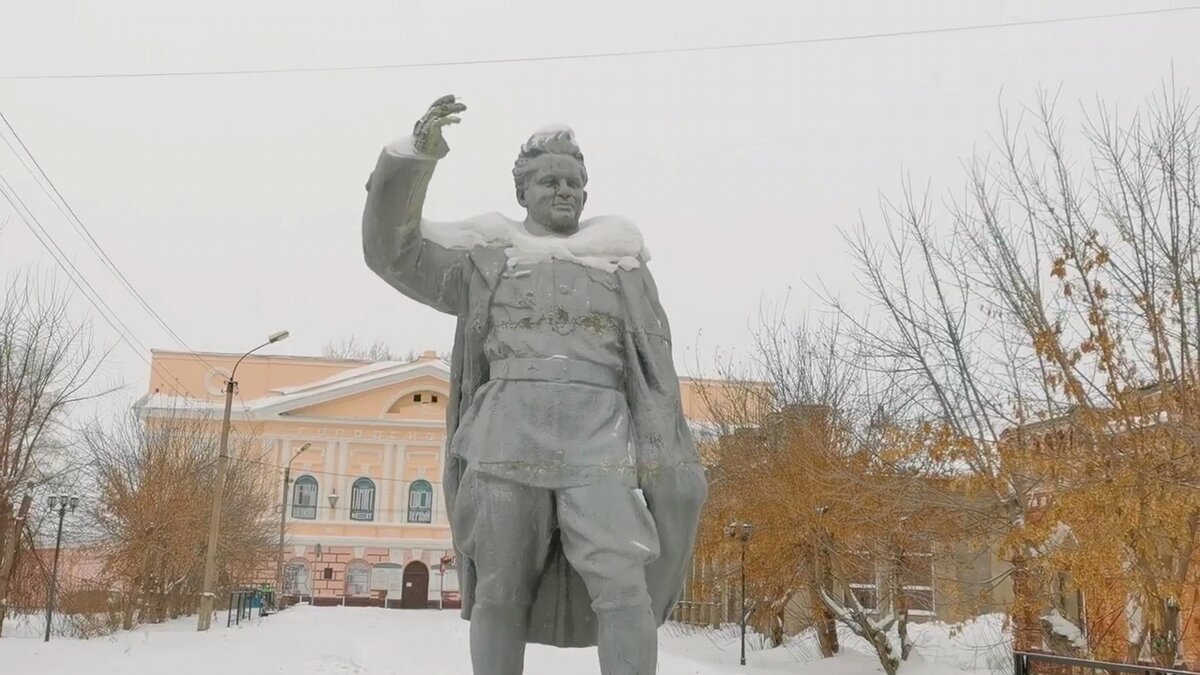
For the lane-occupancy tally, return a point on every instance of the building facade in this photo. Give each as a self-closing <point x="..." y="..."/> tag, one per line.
<point x="366" y="520"/>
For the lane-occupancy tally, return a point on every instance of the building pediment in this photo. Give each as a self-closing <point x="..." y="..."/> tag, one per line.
<point x="414" y="390"/>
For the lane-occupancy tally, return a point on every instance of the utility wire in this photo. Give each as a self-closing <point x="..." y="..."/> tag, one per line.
<point x="318" y="472"/>
<point x="64" y="208"/>
<point x="612" y="54"/>
<point x="80" y="282"/>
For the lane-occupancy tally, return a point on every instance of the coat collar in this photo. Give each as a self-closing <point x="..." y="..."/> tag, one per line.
<point x="604" y="242"/>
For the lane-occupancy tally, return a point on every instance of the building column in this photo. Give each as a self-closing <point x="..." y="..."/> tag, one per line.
<point x="328" y="481"/>
<point x="399" y="499"/>
<point x="386" y="487"/>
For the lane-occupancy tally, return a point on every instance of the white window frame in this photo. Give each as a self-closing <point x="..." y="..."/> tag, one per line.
<point x="360" y="494"/>
<point x="904" y="588"/>
<point x="296" y="494"/>
<point x="424" y="512"/>
<point x="365" y="586"/>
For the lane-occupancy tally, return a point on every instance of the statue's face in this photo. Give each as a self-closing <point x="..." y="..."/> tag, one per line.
<point x="554" y="194"/>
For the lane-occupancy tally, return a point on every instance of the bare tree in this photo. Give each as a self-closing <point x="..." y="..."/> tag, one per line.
<point x="1049" y="329"/>
<point x="154" y="479"/>
<point x="47" y="364"/>
<point x="1095" y="262"/>
<point x="351" y="349"/>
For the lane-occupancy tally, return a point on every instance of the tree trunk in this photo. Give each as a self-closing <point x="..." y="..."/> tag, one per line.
<point x="10" y="534"/>
<point x="1027" y="629"/>
<point x="824" y="623"/>
<point x="883" y="648"/>
<point x="1164" y="637"/>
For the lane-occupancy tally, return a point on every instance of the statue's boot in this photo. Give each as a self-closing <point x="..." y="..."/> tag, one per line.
<point x="498" y="640"/>
<point x="627" y="640"/>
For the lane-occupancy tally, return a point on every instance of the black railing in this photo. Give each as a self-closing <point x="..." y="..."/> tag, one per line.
<point x="1035" y="663"/>
<point x="243" y="602"/>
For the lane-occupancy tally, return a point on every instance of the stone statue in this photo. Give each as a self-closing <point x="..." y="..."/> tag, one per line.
<point x="572" y="481"/>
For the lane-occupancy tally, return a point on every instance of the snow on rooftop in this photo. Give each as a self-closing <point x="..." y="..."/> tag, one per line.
<point x="343" y="376"/>
<point x="1061" y="626"/>
<point x="347" y="379"/>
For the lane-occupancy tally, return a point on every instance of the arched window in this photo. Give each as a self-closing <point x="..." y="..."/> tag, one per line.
<point x="420" y="502"/>
<point x="358" y="578"/>
<point x="297" y="579"/>
<point x="362" y="500"/>
<point x="304" y="498"/>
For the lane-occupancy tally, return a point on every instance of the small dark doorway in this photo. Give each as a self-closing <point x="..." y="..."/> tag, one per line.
<point x="416" y="586"/>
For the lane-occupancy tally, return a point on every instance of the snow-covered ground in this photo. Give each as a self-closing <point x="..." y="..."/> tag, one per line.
<point x="337" y="640"/>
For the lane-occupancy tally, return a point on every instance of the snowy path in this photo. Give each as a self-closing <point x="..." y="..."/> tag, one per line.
<point x="345" y="641"/>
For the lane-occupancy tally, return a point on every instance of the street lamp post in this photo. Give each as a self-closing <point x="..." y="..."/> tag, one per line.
<point x="63" y="503"/>
<point x="283" y="506"/>
<point x="204" y="621"/>
<point x="741" y="532"/>
<point x="446" y="560"/>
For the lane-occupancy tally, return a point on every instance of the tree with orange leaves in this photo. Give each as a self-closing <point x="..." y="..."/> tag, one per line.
<point x="1051" y="329"/>
<point x="837" y="493"/>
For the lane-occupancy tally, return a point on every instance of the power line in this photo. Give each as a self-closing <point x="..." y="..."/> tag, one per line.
<point x="612" y="54"/>
<point x="79" y="281"/>
<point x="318" y="472"/>
<point x="64" y="208"/>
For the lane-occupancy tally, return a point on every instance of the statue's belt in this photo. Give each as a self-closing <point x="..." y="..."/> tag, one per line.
<point x="556" y="370"/>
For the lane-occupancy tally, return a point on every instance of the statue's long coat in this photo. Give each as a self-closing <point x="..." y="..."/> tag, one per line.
<point x="669" y="472"/>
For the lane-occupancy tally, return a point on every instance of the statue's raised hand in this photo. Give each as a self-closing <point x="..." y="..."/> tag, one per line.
<point x="427" y="132"/>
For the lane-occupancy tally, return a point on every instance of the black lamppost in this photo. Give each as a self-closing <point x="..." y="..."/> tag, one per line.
<point x="741" y="532"/>
<point x="63" y="503"/>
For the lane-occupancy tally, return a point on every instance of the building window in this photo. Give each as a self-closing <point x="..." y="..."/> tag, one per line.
<point x="420" y="502"/>
<point x="867" y="595"/>
<point x="304" y="498"/>
<point x="297" y="579"/>
<point x="416" y="398"/>
<point x="862" y="581"/>
<point x="916" y="579"/>
<point x="433" y="398"/>
<point x="358" y="578"/>
<point x="362" y="500"/>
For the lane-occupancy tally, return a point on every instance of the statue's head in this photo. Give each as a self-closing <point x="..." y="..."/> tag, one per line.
<point x="550" y="179"/>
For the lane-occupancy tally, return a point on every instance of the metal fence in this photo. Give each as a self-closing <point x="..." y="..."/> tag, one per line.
<point x="245" y="602"/>
<point x="1035" y="663"/>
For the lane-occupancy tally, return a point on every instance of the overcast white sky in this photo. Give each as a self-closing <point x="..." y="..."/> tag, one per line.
<point x="233" y="203"/>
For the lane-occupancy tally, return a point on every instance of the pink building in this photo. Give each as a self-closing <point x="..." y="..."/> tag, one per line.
<point x="366" y="517"/>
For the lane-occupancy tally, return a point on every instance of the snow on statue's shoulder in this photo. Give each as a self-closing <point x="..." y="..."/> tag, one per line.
<point x="486" y="229"/>
<point x="606" y="242"/>
<point x="610" y="235"/>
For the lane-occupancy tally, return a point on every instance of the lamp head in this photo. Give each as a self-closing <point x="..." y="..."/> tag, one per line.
<point x="277" y="337"/>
